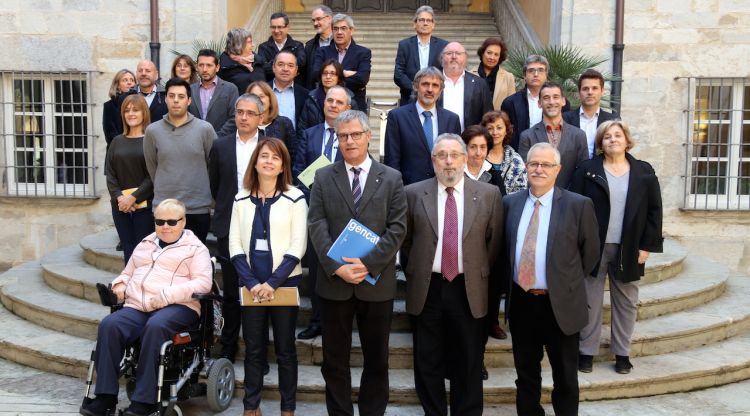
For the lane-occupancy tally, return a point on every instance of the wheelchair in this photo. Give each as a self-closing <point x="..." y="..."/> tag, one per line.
<point x="186" y="369"/>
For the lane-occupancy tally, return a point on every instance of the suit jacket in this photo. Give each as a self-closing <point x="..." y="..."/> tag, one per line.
<point x="574" y="117"/>
<point x="573" y="148"/>
<point x="406" y="147"/>
<point x="477" y="99"/>
<point x="220" y="108"/>
<point x="268" y="51"/>
<point x="481" y="241"/>
<point x="517" y="107"/>
<point x="357" y="58"/>
<point x="407" y="63"/>
<point x="309" y="146"/>
<point x="311" y="77"/>
<point x="382" y="209"/>
<point x="572" y="252"/>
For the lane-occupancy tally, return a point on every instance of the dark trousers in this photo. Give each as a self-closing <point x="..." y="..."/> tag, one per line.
<point x="311" y="261"/>
<point x="132" y="227"/>
<point x="230" y="307"/>
<point x="254" y="332"/>
<point x="534" y="328"/>
<point x="199" y="224"/>
<point x="123" y="328"/>
<point x="448" y="343"/>
<point x="374" y="324"/>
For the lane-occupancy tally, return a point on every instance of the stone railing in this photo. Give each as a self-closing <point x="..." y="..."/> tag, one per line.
<point x="513" y="24"/>
<point x="258" y="25"/>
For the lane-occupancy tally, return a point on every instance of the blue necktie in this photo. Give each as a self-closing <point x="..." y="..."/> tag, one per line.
<point x="427" y="127"/>
<point x="356" y="188"/>
<point x="329" y="145"/>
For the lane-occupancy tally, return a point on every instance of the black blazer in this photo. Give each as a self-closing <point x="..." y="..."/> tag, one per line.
<point x="406" y="147"/>
<point x="572" y="253"/>
<point x="309" y="146"/>
<point x="517" y="107"/>
<point x="477" y="99"/>
<point x="407" y="63"/>
<point x="357" y="58"/>
<point x="642" y="223"/>
<point x="574" y="117"/>
<point x="311" y="79"/>
<point x="110" y="117"/>
<point x="268" y="51"/>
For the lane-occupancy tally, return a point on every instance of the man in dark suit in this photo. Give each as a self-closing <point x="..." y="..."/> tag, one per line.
<point x="407" y="145"/>
<point x="552" y="243"/>
<point x="321" y="18"/>
<point x="290" y="95"/>
<point x="417" y="52"/>
<point x="465" y="94"/>
<point x="454" y="232"/>
<point x="355" y="59"/>
<point x="522" y="107"/>
<point x="280" y="41"/>
<point x="315" y="141"/>
<point x="213" y="98"/>
<point x="570" y="141"/>
<point x="361" y="188"/>
<point x="589" y="115"/>
<point x="147" y="77"/>
<point x="227" y="163"/>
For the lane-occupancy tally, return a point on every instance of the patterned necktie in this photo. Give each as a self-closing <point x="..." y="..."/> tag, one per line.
<point x="356" y="189"/>
<point x="427" y="127"/>
<point x="329" y="145"/>
<point x="526" y="267"/>
<point x="449" y="260"/>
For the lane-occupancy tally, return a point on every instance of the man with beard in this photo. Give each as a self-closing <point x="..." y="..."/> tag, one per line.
<point x="147" y="76"/>
<point x="590" y="115"/>
<point x="412" y="128"/>
<point x="213" y="98"/>
<point x="465" y="94"/>
<point x="454" y="232"/>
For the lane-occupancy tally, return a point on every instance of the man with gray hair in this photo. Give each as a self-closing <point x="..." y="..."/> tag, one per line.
<point x="523" y="107"/>
<point x="355" y="59"/>
<point x="465" y="94"/>
<point x="359" y="188"/>
<point x="417" y="52"/>
<point x="227" y="162"/>
<point x="412" y="128"/>
<point x="454" y="232"/>
<point x="321" y="18"/>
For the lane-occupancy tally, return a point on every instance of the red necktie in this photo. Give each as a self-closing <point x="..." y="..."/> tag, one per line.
<point x="449" y="261"/>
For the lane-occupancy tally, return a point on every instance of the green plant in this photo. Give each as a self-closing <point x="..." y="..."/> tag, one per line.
<point x="198" y="44"/>
<point x="566" y="63"/>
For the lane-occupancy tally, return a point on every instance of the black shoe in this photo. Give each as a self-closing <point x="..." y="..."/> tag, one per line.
<point x="497" y="332"/>
<point x="229" y="355"/>
<point x="485" y="374"/>
<point x="585" y="363"/>
<point x="118" y="247"/>
<point x="140" y="409"/>
<point x="310" y="332"/>
<point x="266" y="368"/>
<point x="622" y="364"/>
<point x="102" y="405"/>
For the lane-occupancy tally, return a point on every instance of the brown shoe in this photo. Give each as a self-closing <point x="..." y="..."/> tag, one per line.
<point x="252" y="412"/>
<point x="497" y="332"/>
<point x="287" y="413"/>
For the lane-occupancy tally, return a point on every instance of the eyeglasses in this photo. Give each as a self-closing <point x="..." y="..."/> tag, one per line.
<point x="355" y="135"/>
<point x="278" y="27"/>
<point x="446" y="155"/>
<point x="340" y="28"/>
<point x="248" y="113"/>
<point x="536" y="70"/>
<point x="328" y="74"/>
<point x="317" y="19"/>
<point x="454" y="53"/>
<point x="422" y="20"/>
<point x="545" y="166"/>
<point x="171" y="223"/>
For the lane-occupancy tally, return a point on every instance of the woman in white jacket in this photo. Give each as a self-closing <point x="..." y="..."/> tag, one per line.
<point x="267" y="239"/>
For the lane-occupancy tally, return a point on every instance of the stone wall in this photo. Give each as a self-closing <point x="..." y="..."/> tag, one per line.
<point x="665" y="39"/>
<point x="102" y="36"/>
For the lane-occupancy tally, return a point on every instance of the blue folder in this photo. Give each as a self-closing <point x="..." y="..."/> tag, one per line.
<point x="355" y="240"/>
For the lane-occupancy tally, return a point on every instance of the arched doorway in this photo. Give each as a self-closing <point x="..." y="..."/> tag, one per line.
<point x="382" y="6"/>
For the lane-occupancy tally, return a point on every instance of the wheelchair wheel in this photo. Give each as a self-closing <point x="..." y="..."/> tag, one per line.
<point x="220" y="385"/>
<point x="176" y="411"/>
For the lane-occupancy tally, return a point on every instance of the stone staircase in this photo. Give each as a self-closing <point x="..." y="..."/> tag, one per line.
<point x="692" y="330"/>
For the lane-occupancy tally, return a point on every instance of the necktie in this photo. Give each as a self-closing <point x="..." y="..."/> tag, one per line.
<point x="427" y="127"/>
<point x="526" y="268"/>
<point x="356" y="189"/>
<point x="329" y="145"/>
<point x="449" y="260"/>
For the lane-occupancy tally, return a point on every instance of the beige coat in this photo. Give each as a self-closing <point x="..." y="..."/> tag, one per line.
<point x="505" y="85"/>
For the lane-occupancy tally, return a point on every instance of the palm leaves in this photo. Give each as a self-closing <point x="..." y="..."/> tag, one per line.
<point x="198" y="44"/>
<point x="566" y="63"/>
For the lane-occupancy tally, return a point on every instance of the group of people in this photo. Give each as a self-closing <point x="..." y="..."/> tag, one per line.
<point x="484" y="192"/>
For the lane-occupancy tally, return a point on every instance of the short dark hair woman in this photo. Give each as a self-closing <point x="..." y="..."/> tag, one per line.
<point x="627" y="202"/>
<point x="331" y="74"/>
<point x="267" y="239"/>
<point x="492" y="53"/>
<point x="506" y="162"/>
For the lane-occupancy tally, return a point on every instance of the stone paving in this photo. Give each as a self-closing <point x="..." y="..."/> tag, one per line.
<point x="26" y="391"/>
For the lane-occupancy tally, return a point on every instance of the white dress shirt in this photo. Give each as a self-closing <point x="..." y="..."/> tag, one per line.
<point x="433" y="111"/>
<point x="540" y="263"/>
<point x="453" y="97"/>
<point x="244" y="151"/>
<point x="486" y="167"/>
<point x="149" y="97"/>
<point x="535" y="112"/>
<point x="365" y="166"/>
<point x="458" y="195"/>
<point x="589" y="126"/>
<point x="335" y="147"/>
<point x="424" y="53"/>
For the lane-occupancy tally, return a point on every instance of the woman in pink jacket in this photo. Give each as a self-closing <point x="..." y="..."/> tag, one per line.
<point x="157" y="285"/>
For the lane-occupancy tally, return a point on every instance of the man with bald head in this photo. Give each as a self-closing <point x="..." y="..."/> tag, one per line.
<point x="465" y="94"/>
<point x="147" y="77"/>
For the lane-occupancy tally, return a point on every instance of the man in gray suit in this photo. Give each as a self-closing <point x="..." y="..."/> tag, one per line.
<point x="213" y="98"/>
<point x="552" y="243"/>
<point x="361" y="188"/>
<point x="454" y="232"/>
<point x="569" y="140"/>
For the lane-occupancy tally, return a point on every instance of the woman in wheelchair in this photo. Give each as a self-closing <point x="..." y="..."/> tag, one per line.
<point x="267" y="239"/>
<point x="157" y="285"/>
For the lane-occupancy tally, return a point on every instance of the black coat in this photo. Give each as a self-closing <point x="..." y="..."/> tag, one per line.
<point x="311" y="46"/>
<point x="111" y="120"/>
<point x="238" y="74"/>
<point x="642" y="223"/>
<point x="268" y="51"/>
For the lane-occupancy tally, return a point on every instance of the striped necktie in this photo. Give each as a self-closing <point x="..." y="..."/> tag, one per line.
<point x="356" y="188"/>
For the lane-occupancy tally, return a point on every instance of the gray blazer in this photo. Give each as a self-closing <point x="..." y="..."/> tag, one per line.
<point x="572" y="252"/>
<point x="481" y="241"/>
<point x="220" y="109"/>
<point x="573" y="148"/>
<point x="382" y="209"/>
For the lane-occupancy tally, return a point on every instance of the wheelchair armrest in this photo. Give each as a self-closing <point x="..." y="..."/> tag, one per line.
<point x="207" y="296"/>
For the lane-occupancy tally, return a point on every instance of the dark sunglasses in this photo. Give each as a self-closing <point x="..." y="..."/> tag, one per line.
<point x="171" y="223"/>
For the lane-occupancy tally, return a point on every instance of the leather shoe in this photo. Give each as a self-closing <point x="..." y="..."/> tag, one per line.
<point x="103" y="404"/>
<point x="622" y="364"/>
<point x="585" y="363"/>
<point x="497" y="332"/>
<point x="252" y="412"/>
<point x="485" y="374"/>
<point x="310" y="332"/>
